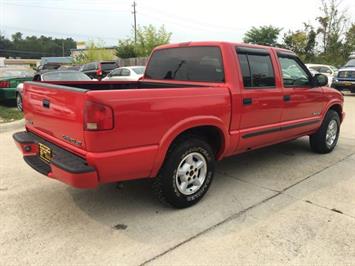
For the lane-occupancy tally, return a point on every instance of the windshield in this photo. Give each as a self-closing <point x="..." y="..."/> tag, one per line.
<point x="138" y="70"/>
<point x="16" y="73"/>
<point x="65" y="76"/>
<point x="351" y="63"/>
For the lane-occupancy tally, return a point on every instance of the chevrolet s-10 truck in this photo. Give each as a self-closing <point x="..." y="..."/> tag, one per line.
<point x="197" y="103"/>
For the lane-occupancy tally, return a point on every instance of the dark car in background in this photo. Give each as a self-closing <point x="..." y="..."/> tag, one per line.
<point x="345" y="79"/>
<point x="99" y="70"/>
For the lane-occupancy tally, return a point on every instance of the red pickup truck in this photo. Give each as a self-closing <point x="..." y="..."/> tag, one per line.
<point x="198" y="102"/>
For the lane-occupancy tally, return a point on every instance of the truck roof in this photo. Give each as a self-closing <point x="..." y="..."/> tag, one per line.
<point x="220" y="43"/>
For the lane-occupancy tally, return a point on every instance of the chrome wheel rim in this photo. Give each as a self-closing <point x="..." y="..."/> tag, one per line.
<point x="332" y="132"/>
<point x="19" y="102"/>
<point x="191" y="173"/>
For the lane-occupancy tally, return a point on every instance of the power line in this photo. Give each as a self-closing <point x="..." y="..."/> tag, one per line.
<point x="64" y="9"/>
<point x="191" y="21"/>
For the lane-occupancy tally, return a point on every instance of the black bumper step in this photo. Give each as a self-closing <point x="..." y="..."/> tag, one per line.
<point x="61" y="158"/>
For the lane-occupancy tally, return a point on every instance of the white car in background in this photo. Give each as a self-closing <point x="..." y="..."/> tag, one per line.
<point x="329" y="71"/>
<point x="132" y="73"/>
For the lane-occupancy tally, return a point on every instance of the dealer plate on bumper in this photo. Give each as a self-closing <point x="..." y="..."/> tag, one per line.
<point x="45" y="153"/>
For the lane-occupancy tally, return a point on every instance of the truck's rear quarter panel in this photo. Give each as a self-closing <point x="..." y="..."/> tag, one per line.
<point x="142" y="118"/>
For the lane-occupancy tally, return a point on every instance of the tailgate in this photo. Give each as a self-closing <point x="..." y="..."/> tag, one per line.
<point x="55" y="110"/>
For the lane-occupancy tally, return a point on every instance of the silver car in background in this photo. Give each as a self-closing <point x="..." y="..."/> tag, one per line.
<point x="132" y="73"/>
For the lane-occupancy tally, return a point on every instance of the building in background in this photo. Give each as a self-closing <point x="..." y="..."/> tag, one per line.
<point x="81" y="47"/>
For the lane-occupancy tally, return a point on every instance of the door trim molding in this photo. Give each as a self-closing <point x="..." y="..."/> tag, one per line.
<point x="280" y="128"/>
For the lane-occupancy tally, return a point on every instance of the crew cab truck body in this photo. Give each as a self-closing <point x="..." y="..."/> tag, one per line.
<point x="197" y="103"/>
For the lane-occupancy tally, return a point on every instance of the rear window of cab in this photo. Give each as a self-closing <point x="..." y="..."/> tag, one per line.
<point x="197" y="63"/>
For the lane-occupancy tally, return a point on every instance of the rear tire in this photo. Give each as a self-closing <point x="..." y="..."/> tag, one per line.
<point x="326" y="138"/>
<point x="19" y="102"/>
<point x="186" y="174"/>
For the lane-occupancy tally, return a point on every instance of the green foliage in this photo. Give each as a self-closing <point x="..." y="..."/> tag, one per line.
<point x="332" y="28"/>
<point x="302" y="42"/>
<point x="349" y="45"/>
<point x="95" y="52"/>
<point x="264" y="35"/>
<point x="34" y="47"/>
<point x="8" y="113"/>
<point x="126" y="49"/>
<point x="329" y="42"/>
<point x="148" y="37"/>
<point x="332" y="22"/>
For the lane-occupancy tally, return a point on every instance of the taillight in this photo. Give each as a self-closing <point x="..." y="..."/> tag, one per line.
<point x="4" y="84"/>
<point x="97" y="117"/>
<point x="99" y="72"/>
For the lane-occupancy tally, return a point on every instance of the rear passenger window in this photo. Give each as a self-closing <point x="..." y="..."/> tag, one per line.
<point x="243" y="59"/>
<point x="257" y="70"/>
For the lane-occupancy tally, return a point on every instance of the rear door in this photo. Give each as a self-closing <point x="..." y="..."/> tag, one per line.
<point x="302" y="102"/>
<point x="261" y="98"/>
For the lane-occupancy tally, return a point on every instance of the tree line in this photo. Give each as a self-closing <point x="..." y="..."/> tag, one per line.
<point x="34" y="47"/>
<point x="330" y="40"/>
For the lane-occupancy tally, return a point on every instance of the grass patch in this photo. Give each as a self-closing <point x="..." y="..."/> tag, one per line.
<point x="9" y="113"/>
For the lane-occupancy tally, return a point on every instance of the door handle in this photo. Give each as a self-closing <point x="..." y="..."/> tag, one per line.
<point x="287" y="98"/>
<point x="45" y="103"/>
<point x="247" y="101"/>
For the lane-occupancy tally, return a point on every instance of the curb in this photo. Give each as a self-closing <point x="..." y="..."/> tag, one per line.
<point x="12" y="125"/>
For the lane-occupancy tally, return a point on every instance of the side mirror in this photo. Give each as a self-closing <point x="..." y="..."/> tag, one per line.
<point x="320" y="80"/>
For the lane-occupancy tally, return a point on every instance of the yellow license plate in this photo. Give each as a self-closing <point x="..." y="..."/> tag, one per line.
<point x="45" y="153"/>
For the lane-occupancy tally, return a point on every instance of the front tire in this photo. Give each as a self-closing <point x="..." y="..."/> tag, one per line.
<point x="186" y="174"/>
<point x="326" y="138"/>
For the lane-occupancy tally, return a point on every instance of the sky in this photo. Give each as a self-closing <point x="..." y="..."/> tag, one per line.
<point x="188" y="20"/>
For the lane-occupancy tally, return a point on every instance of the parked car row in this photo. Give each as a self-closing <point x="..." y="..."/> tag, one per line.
<point x="11" y="80"/>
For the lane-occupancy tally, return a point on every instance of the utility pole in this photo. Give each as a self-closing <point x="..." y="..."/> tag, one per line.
<point x="63" y="47"/>
<point x="135" y="21"/>
<point x="135" y="27"/>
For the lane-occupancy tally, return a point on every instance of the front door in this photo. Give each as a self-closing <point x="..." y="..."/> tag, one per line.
<point x="302" y="102"/>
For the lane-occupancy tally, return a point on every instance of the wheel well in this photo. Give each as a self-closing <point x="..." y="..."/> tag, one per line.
<point x="337" y="108"/>
<point x="211" y="134"/>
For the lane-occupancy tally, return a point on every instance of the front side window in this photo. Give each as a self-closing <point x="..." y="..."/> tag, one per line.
<point x="293" y="73"/>
<point x="257" y="70"/>
<point x="197" y="63"/>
